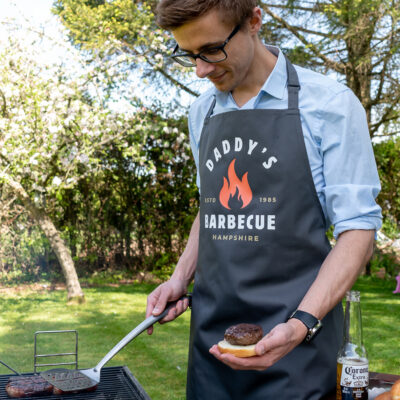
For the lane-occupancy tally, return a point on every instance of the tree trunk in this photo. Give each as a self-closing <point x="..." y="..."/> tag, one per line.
<point x="74" y="290"/>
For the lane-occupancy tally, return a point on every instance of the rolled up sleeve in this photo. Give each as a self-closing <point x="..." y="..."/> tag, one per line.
<point x="349" y="167"/>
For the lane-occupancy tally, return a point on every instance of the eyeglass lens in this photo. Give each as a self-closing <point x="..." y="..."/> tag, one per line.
<point x="212" y="56"/>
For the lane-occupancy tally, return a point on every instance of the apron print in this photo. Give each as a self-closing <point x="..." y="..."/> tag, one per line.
<point x="234" y="185"/>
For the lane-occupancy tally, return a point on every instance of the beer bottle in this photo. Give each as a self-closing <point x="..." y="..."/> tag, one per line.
<point x="352" y="362"/>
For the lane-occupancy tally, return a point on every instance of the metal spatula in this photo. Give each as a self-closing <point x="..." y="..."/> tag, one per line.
<point x="69" y="380"/>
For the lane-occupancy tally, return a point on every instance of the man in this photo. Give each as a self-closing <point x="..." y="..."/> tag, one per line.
<point x="282" y="153"/>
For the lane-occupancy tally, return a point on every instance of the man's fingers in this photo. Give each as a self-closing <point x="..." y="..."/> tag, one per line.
<point x="266" y="344"/>
<point x="179" y="307"/>
<point x="156" y="304"/>
<point x="152" y="301"/>
<point x="158" y="299"/>
<point x="236" y="363"/>
<point x="270" y="342"/>
<point x="161" y="303"/>
<point x="182" y="306"/>
<point x="260" y="349"/>
<point x="185" y="303"/>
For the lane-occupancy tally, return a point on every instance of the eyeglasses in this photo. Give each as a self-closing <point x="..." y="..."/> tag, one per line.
<point x="211" y="55"/>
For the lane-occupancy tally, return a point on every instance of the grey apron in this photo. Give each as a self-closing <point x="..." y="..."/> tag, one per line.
<point x="262" y="242"/>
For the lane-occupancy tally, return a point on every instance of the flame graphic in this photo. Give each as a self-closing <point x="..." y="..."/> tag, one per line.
<point x="234" y="185"/>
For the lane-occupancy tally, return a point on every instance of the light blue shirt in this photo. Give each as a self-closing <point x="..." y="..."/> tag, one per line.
<point x="336" y="136"/>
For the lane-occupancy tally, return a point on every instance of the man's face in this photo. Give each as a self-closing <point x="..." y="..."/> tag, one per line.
<point x="208" y="31"/>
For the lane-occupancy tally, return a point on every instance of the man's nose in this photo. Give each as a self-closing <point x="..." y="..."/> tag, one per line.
<point x="203" y="68"/>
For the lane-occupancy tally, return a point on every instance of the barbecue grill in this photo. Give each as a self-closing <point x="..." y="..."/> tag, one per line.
<point x="117" y="383"/>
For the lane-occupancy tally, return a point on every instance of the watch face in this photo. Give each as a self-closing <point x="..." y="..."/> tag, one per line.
<point x="312" y="323"/>
<point x="313" y="331"/>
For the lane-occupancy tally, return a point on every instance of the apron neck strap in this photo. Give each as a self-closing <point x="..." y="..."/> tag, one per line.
<point x="211" y="109"/>
<point x="293" y="85"/>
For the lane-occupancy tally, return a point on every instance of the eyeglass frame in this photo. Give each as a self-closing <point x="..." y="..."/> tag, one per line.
<point x="199" y="55"/>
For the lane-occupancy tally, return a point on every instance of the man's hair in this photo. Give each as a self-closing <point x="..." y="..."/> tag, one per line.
<point x="172" y="14"/>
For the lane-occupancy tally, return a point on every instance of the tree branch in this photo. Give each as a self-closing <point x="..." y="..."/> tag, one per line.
<point x="162" y="71"/>
<point x="176" y="82"/>
<point x="338" y="67"/>
<point x="316" y="8"/>
<point x="385" y="117"/>
<point x="311" y="32"/>
<point x="391" y="134"/>
<point x="383" y="73"/>
<point x="4" y="105"/>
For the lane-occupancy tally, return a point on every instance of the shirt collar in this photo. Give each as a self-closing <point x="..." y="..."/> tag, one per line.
<point x="275" y="85"/>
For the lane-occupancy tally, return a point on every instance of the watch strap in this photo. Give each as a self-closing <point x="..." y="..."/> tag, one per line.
<point x="306" y="318"/>
<point x="312" y="323"/>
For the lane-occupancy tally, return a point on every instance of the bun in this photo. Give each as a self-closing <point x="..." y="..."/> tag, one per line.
<point x="395" y="391"/>
<point x="236" y="350"/>
<point x="384" y="396"/>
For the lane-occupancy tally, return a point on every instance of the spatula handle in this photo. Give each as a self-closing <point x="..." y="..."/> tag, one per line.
<point x="137" y="331"/>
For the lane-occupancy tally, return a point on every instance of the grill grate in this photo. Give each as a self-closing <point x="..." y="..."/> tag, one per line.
<point x="117" y="383"/>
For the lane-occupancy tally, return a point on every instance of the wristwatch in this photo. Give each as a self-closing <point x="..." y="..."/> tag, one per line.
<point x="312" y="323"/>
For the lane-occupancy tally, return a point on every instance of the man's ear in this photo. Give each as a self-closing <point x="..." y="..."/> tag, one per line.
<point x="255" y="21"/>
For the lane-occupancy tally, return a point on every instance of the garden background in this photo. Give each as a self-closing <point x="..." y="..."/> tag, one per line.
<point x="97" y="180"/>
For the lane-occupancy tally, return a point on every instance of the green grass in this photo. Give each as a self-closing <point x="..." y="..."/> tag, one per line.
<point x="159" y="361"/>
<point x="381" y="323"/>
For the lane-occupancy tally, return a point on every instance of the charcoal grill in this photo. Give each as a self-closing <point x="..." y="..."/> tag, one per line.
<point x="117" y="383"/>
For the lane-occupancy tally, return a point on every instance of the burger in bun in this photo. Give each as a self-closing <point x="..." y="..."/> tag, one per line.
<point x="240" y="340"/>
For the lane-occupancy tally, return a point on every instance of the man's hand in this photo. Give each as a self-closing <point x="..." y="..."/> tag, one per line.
<point x="276" y="344"/>
<point x="159" y="297"/>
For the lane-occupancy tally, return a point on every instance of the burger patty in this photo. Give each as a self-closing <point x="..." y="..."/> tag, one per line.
<point x="26" y="386"/>
<point x="243" y="334"/>
<point x="34" y="385"/>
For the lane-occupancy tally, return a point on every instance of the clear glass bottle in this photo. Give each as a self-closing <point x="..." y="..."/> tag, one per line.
<point x="352" y="361"/>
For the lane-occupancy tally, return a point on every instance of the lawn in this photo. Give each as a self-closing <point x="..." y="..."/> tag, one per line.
<point x="381" y="323"/>
<point x="159" y="361"/>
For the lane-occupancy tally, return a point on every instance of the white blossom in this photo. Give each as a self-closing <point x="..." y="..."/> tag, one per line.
<point x="56" y="181"/>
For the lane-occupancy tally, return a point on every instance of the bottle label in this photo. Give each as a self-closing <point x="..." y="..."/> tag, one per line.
<point x="352" y="382"/>
<point x="354" y="376"/>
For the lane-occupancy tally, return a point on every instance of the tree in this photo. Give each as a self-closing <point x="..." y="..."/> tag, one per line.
<point x="123" y="34"/>
<point x="101" y="181"/>
<point x="123" y="31"/>
<point x="359" y="40"/>
<point x="134" y="213"/>
<point x="388" y="159"/>
<point x="49" y="127"/>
